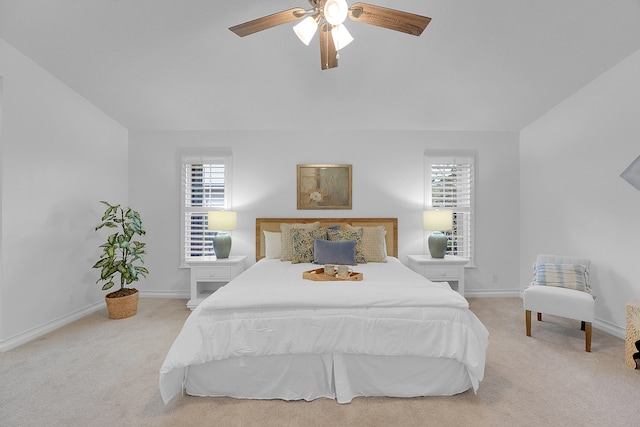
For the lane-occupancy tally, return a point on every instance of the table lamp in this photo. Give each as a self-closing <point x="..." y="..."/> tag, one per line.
<point x="222" y="221"/>
<point x="437" y="222"/>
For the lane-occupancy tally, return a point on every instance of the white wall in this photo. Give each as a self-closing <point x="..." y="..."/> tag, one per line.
<point x="60" y="156"/>
<point x="572" y="199"/>
<point x="388" y="180"/>
<point x="1" y="186"/>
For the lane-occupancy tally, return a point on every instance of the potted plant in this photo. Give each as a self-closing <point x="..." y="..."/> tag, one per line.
<point x="121" y="258"/>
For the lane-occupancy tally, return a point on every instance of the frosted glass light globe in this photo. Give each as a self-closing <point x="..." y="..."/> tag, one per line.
<point x="335" y="11"/>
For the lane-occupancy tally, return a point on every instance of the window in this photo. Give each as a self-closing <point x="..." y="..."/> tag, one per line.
<point x="450" y="185"/>
<point x="205" y="187"/>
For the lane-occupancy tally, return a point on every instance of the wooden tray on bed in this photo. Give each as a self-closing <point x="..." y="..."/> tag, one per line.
<point x="319" y="276"/>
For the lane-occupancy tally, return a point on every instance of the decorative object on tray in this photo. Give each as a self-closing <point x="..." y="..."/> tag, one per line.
<point x="222" y="221"/>
<point x="120" y="255"/>
<point x="343" y="272"/>
<point x="437" y="221"/>
<point x="324" y="186"/>
<point x="319" y="276"/>
<point x="329" y="270"/>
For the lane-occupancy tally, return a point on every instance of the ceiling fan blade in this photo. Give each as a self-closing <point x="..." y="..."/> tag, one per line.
<point x="392" y="19"/>
<point x="269" y="21"/>
<point x="328" y="53"/>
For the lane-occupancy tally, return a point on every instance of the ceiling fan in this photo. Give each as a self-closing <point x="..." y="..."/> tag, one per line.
<point x="328" y="16"/>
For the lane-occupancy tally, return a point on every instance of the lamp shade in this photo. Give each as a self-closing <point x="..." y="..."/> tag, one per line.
<point x="222" y="220"/>
<point x="438" y="220"/>
<point x="306" y="29"/>
<point x="341" y="37"/>
<point x="335" y="11"/>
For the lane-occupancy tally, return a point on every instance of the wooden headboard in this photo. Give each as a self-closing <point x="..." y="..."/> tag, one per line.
<point x="273" y="224"/>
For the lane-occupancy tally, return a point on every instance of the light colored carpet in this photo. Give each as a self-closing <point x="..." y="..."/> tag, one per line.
<point x="102" y="372"/>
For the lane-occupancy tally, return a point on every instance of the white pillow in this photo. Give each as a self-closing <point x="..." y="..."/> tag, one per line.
<point x="272" y="244"/>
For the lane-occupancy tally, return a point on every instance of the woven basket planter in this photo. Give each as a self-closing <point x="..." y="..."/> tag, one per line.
<point x="122" y="307"/>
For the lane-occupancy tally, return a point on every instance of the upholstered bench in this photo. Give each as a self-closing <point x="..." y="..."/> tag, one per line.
<point x="561" y="301"/>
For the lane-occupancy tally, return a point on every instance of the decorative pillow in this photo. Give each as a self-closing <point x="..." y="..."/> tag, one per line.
<point x="341" y="253"/>
<point x="374" y="245"/>
<point x="303" y="243"/>
<point x="287" y="241"/>
<point x="572" y="276"/>
<point x="355" y="235"/>
<point x="272" y="244"/>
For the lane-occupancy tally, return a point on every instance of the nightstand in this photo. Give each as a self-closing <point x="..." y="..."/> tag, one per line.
<point x="210" y="273"/>
<point x="447" y="269"/>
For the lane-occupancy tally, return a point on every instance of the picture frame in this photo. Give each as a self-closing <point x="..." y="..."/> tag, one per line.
<point x="324" y="186"/>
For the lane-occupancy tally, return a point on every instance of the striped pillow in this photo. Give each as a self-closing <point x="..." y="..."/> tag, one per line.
<point x="571" y="276"/>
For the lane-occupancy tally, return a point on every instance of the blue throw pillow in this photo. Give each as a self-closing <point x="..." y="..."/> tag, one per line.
<point x="341" y="253"/>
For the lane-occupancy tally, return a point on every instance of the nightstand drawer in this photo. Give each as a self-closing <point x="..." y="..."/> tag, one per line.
<point x="210" y="274"/>
<point x="442" y="272"/>
<point x="448" y="269"/>
<point x="222" y="273"/>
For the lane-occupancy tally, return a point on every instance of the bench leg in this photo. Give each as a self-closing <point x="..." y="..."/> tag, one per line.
<point x="587" y="334"/>
<point x="527" y="316"/>
<point x="539" y="317"/>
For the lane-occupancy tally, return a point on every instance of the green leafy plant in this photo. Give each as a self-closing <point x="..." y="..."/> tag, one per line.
<point x="121" y="255"/>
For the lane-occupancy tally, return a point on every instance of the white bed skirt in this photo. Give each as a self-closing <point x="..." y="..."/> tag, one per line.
<point x="335" y="376"/>
<point x="270" y="334"/>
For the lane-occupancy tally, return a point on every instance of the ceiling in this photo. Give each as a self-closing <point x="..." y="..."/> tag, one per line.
<point x="174" y="65"/>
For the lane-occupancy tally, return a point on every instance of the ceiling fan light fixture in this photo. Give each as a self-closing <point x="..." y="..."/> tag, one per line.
<point x="306" y="29"/>
<point x="327" y="16"/>
<point x="335" y="11"/>
<point x="341" y="36"/>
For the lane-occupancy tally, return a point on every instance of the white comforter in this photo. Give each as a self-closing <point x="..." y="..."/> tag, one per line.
<point x="271" y="310"/>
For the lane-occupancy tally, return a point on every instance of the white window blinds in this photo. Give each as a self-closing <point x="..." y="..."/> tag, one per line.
<point x="450" y="185"/>
<point x="205" y="187"/>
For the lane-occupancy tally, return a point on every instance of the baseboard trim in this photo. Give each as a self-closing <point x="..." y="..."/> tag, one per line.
<point x="30" y="335"/>
<point x="492" y="293"/>
<point x="610" y="328"/>
<point x="24" y="337"/>
<point x="165" y="294"/>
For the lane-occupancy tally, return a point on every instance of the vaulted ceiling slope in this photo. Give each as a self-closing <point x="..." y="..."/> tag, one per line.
<point x="174" y="64"/>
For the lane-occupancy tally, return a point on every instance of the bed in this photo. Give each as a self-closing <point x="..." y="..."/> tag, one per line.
<point x="270" y="334"/>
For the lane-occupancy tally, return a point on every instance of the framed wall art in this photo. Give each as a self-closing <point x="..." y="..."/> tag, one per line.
<point x="324" y="186"/>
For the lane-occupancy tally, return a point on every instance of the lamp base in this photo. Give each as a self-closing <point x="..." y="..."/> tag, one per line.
<point x="222" y="245"/>
<point x="437" y="244"/>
